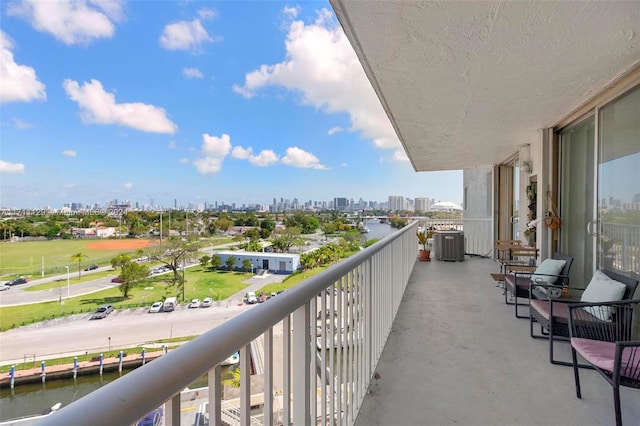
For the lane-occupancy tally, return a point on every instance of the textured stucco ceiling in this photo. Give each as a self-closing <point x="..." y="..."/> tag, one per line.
<point x="466" y="83"/>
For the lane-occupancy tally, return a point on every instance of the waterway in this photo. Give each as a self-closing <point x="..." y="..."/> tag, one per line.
<point x="378" y="230"/>
<point x="33" y="399"/>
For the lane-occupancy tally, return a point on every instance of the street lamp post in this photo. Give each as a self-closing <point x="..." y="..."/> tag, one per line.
<point x="68" y="287"/>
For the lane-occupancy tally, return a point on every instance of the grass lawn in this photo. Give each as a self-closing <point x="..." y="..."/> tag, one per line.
<point x="199" y="284"/>
<point x="291" y="281"/>
<point x="27" y="258"/>
<point x="73" y="279"/>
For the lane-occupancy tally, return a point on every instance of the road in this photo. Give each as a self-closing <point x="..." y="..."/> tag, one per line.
<point x="76" y="334"/>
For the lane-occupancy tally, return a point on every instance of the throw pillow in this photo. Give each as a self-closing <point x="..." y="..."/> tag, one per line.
<point x="601" y="288"/>
<point x="548" y="270"/>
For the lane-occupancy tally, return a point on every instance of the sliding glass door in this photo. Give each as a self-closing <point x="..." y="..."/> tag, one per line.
<point x="577" y="198"/>
<point x="618" y="226"/>
<point x="600" y="190"/>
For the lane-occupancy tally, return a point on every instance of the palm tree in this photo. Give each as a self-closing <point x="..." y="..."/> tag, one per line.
<point x="78" y="257"/>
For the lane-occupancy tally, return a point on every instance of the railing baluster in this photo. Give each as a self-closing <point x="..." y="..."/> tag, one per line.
<point x="268" y="377"/>
<point x="172" y="411"/>
<point x="215" y="396"/>
<point x="301" y="363"/>
<point x="286" y="370"/>
<point x="245" y="385"/>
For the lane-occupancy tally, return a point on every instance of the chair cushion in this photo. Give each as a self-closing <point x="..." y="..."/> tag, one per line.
<point x="543" y="307"/>
<point x="601" y="288"/>
<point x="550" y="268"/>
<point x="602" y="354"/>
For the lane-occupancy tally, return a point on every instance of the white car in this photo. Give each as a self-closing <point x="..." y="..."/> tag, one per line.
<point x="251" y="298"/>
<point x="195" y="303"/>
<point x="4" y="287"/>
<point x="156" y="307"/>
<point x="206" y="302"/>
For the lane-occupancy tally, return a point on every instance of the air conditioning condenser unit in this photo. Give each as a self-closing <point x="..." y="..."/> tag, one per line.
<point x="449" y="245"/>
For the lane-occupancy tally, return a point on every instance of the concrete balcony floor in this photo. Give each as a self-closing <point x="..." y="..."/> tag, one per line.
<point x="457" y="355"/>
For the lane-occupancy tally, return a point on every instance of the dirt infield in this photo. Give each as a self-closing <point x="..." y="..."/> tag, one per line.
<point x="121" y="244"/>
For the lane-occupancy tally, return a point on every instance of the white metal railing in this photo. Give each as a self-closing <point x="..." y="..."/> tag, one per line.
<point x="623" y="251"/>
<point x="322" y="341"/>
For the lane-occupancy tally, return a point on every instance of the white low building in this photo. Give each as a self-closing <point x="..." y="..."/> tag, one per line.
<point x="276" y="263"/>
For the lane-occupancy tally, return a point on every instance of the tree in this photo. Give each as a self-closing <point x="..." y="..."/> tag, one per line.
<point x="246" y="265"/>
<point x="216" y="262"/>
<point x="231" y="262"/>
<point x="285" y="239"/>
<point x="130" y="274"/>
<point x="120" y="260"/>
<point x="204" y="261"/>
<point x="174" y="254"/>
<point x="78" y="257"/>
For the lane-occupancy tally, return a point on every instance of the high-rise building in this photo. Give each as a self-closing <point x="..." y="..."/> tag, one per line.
<point x="422" y="204"/>
<point x="396" y="203"/>
<point x="340" y="203"/>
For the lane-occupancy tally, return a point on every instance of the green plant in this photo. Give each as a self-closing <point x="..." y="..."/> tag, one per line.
<point x="424" y="237"/>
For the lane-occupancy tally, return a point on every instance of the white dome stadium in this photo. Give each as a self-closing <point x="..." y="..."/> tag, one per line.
<point x="445" y="206"/>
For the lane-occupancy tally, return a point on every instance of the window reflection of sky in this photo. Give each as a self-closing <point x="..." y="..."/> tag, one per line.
<point x="619" y="178"/>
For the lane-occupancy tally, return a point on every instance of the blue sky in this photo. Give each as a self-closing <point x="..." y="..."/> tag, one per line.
<point x="197" y="101"/>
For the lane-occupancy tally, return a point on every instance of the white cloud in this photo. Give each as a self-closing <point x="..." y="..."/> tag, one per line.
<point x="184" y="35"/>
<point x="192" y="73"/>
<point x="22" y="124"/>
<point x="11" y="168"/>
<point x="69" y="153"/>
<point x="19" y="82"/>
<point x="100" y="107"/>
<point x="71" y="21"/>
<point x="400" y="155"/>
<point x="322" y="68"/>
<point x="213" y="151"/>
<point x="208" y="165"/>
<point x="297" y="157"/>
<point x="183" y="160"/>
<point x="69" y="185"/>
<point x="241" y="153"/>
<point x="128" y="185"/>
<point x="332" y="131"/>
<point x="214" y="146"/>
<point x="207" y="13"/>
<point x="265" y="158"/>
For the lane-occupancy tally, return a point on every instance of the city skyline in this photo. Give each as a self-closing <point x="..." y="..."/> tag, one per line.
<point x="393" y="202"/>
<point x="142" y="100"/>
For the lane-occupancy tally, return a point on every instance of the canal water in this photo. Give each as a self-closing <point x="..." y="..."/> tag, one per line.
<point x="31" y="399"/>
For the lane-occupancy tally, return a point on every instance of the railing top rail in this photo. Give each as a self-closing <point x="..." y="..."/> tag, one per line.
<point x="143" y="389"/>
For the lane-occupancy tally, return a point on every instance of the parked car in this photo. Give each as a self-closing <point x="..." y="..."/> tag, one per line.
<point x="4" y="287"/>
<point x="91" y="267"/>
<point x="102" y="312"/>
<point x="195" y="303"/>
<point x="154" y="418"/>
<point x="116" y="280"/>
<point x="107" y="308"/>
<point x="262" y="298"/>
<point x="251" y="298"/>
<point x="156" y="307"/>
<point x="206" y="302"/>
<point x="17" y="281"/>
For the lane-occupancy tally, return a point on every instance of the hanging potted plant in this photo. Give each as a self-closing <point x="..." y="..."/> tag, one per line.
<point x="424" y="238"/>
<point x="552" y="219"/>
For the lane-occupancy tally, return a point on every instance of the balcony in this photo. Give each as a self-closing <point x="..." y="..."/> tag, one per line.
<point x="414" y="343"/>
<point x="457" y="355"/>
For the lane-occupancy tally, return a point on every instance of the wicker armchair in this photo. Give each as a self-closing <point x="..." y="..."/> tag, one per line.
<point x="602" y="334"/>
<point x="552" y="314"/>
<point x="518" y="281"/>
